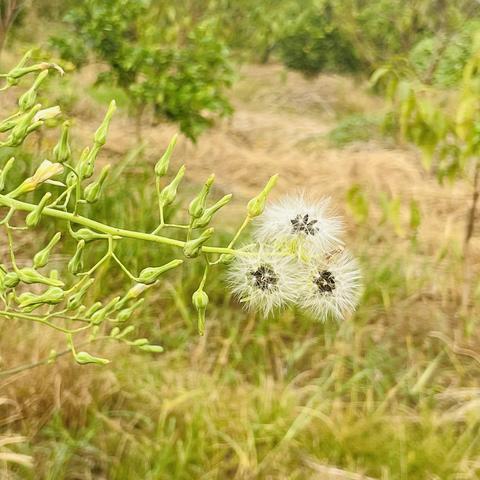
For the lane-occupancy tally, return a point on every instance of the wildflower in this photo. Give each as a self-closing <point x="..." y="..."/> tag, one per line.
<point x="44" y="172"/>
<point x="300" y="223"/>
<point x="331" y="286"/>
<point x="265" y="279"/>
<point x="47" y="113"/>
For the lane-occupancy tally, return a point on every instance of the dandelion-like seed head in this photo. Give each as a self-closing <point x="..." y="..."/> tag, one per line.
<point x="265" y="279"/>
<point x="299" y="260"/>
<point x="325" y="281"/>
<point x="332" y="287"/>
<point x="306" y="223"/>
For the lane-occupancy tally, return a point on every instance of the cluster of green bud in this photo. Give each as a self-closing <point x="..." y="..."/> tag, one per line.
<point x="67" y="299"/>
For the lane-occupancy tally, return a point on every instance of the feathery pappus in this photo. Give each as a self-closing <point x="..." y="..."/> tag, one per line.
<point x="294" y="219"/>
<point x="264" y="280"/>
<point x="298" y="259"/>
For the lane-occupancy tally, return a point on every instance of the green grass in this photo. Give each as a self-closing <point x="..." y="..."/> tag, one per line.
<point x="357" y="127"/>
<point x="260" y="398"/>
<point x="391" y="393"/>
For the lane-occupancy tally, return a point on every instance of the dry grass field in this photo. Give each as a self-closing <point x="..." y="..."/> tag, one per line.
<point x="392" y="393"/>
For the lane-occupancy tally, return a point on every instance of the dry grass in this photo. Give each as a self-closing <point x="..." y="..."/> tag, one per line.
<point x="392" y="394"/>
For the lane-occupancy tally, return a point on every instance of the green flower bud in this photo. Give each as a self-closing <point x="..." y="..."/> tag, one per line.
<point x="94" y="308"/>
<point x="197" y="205"/>
<point x="168" y="194"/>
<point x="200" y="302"/>
<point x="192" y="248"/>
<point x="47" y="113"/>
<point x="30" y="275"/>
<point x="34" y="216"/>
<point x="23" y="127"/>
<point x="11" y="78"/>
<point x="18" y="72"/>
<point x="114" y="332"/>
<point x="126" y="313"/>
<point x="137" y="290"/>
<point x="52" y="296"/>
<point x="93" y="191"/>
<point x="44" y="172"/>
<point x="101" y="134"/>
<point x="87" y="235"/>
<point x="11" y="121"/>
<point x="75" y="265"/>
<point x="161" y="168"/>
<point x="84" y="358"/>
<point x="27" y="100"/>
<point x="75" y="301"/>
<point x="126" y="331"/>
<point x="152" y="348"/>
<point x="11" y="280"/>
<point x="62" y="151"/>
<point x="41" y="258"/>
<point x="100" y="315"/>
<point x="71" y="179"/>
<point x="132" y="294"/>
<point x="4" y="172"/>
<point x="87" y="161"/>
<point x="205" y="219"/>
<point x="151" y="274"/>
<point x="256" y="205"/>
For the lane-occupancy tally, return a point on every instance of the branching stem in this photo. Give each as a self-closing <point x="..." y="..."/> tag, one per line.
<point x="107" y="229"/>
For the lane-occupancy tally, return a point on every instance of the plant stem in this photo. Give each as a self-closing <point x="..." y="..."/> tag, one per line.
<point x="473" y="207"/>
<point x="107" y="229"/>
<point x="41" y="320"/>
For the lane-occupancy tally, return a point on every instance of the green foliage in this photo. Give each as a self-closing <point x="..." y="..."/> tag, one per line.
<point x="445" y="125"/>
<point x="357" y="35"/>
<point x="313" y="43"/>
<point x="179" y="70"/>
<point x="443" y="59"/>
<point x="354" y="128"/>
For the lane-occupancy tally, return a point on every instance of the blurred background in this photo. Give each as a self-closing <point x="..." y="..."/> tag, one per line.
<point x="372" y="102"/>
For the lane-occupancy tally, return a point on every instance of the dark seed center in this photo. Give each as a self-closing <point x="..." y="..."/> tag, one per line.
<point x="325" y="281"/>
<point x="304" y="224"/>
<point x="264" y="277"/>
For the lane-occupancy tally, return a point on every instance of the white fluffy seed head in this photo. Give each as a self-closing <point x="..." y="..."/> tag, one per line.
<point x="303" y="225"/>
<point x="331" y="287"/>
<point x="265" y="279"/>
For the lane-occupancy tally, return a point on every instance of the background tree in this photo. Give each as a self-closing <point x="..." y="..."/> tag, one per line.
<point x="179" y="70"/>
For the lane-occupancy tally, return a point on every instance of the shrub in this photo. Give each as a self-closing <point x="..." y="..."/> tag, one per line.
<point x="181" y="73"/>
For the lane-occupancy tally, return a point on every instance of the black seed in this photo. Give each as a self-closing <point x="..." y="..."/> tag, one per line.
<point x="264" y="277"/>
<point x="304" y="224"/>
<point x="325" y="281"/>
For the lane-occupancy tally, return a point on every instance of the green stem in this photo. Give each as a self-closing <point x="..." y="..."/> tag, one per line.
<point x="245" y="223"/>
<point x="41" y="320"/>
<point x="107" y="229"/>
